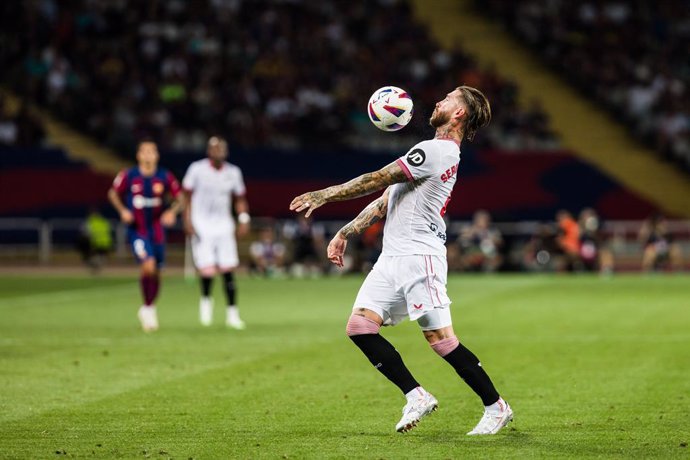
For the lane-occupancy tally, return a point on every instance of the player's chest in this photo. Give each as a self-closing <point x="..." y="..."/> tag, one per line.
<point x="152" y="187"/>
<point x="216" y="182"/>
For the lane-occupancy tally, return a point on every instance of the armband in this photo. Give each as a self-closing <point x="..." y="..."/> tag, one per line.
<point x="243" y="218"/>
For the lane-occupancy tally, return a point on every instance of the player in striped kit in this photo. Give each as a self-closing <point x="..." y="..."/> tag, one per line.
<point x="409" y="278"/>
<point x="139" y="195"/>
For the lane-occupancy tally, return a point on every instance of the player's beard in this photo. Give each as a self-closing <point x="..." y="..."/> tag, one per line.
<point x="439" y="118"/>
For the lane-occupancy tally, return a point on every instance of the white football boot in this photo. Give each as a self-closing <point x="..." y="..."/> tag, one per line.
<point x="233" y="320"/>
<point x="493" y="420"/>
<point x="416" y="410"/>
<point x="148" y="318"/>
<point x="206" y="311"/>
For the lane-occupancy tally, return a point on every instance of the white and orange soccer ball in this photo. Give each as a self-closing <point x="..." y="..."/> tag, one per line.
<point x="390" y="108"/>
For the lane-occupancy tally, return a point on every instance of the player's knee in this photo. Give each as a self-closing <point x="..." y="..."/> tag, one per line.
<point x="148" y="267"/>
<point x="359" y="325"/>
<point x="207" y="272"/>
<point x="445" y="346"/>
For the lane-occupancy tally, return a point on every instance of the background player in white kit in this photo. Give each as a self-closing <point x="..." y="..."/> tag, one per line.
<point x="211" y="186"/>
<point x="409" y="278"/>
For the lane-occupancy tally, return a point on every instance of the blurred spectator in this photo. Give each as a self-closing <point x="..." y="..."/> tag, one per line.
<point x="371" y="245"/>
<point x="659" y="248"/>
<point x="595" y="253"/>
<point x="122" y="70"/>
<point x="568" y="241"/>
<point x="480" y="245"/>
<point x="19" y="129"/>
<point x="540" y="251"/>
<point x="267" y="254"/>
<point x="95" y="241"/>
<point x="308" y="246"/>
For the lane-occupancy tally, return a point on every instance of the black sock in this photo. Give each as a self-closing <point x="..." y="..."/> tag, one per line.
<point x="229" y="287"/>
<point x="386" y="359"/>
<point x="206" y="286"/>
<point x="467" y="365"/>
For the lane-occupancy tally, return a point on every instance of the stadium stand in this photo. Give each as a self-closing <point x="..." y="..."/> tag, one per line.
<point x="243" y="68"/>
<point x="630" y="57"/>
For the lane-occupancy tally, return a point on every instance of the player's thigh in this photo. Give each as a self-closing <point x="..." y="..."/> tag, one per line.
<point x="203" y="251"/>
<point x="226" y="252"/>
<point x="380" y="295"/>
<point x="437" y="319"/>
<point x="141" y="247"/>
<point x="423" y="279"/>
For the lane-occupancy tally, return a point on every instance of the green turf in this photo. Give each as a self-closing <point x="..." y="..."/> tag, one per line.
<point x="592" y="367"/>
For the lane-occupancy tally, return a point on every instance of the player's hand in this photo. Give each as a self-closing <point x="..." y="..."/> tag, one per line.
<point x="126" y="216"/>
<point x="309" y="201"/>
<point x="168" y="218"/>
<point x="243" y="230"/>
<point x="189" y="228"/>
<point x="336" y="249"/>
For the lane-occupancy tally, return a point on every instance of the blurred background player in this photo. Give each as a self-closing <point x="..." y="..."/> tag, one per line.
<point x="480" y="244"/>
<point x="139" y="196"/>
<point x="267" y="254"/>
<point x="211" y="187"/>
<point x="659" y="248"/>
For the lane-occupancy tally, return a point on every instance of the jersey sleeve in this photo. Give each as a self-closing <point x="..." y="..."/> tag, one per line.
<point x="121" y="182"/>
<point x="419" y="162"/>
<point x="238" y="188"/>
<point x="190" y="178"/>
<point x="172" y="184"/>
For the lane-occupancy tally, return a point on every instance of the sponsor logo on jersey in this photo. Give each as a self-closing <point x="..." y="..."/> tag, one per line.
<point x="140" y="248"/>
<point x="434" y="229"/>
<point x="136" y="188"/>
<point x="140" y="202"/>
<point x="416" y="157"/>
<point x="418" y="307"/>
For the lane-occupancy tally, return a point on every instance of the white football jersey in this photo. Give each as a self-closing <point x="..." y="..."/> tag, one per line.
<point x="212" y="190"/>
<point x="414" y="223"/>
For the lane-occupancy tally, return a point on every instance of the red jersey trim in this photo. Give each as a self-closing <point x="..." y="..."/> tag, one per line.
<point x="405" y="169"/>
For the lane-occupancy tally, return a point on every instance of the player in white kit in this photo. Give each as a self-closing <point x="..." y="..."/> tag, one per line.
<point x="409" y="278"/>
<point x="211" y="185"/>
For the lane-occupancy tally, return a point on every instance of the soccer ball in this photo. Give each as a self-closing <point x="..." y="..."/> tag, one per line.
<point x="390" y="108"/>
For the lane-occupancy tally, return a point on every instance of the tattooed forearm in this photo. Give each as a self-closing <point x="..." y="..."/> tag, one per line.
<point x="365" y="184"/>
<point x="375" y="211"/>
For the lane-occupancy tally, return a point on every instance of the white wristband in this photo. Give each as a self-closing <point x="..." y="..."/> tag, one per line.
<point x="243" y="218"/>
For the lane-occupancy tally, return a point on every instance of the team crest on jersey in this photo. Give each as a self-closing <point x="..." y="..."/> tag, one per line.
<point x="158" y="188"/>
<point x="416" y="157"/>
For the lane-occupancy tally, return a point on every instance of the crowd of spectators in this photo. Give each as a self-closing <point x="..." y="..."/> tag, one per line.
<point x="631" y="56"/>
<point x="281" y="73"/>
<point x="19" y="127"/>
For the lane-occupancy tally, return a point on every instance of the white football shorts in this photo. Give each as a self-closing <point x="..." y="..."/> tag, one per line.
<point x="215" y="250"/>
<point x="399" y="287"/>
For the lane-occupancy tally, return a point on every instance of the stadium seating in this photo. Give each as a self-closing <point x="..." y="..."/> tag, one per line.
<point x="630" y="57"/>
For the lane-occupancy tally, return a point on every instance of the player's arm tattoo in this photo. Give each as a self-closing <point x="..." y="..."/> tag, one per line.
<point x="365" y="184"/>
<point x="375" y="211"/>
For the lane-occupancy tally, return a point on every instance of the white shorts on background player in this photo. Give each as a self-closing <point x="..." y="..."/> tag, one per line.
<point x="215" y="250"/>
<point x="409" y="279"/>
<point x="413" y="286"/>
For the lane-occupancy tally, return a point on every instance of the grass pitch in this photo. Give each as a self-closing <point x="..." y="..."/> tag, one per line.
<point x="592" y="367"/>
